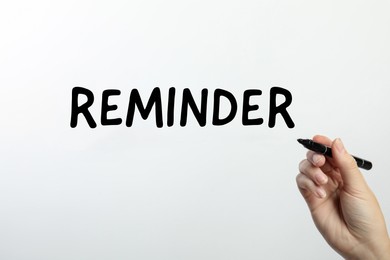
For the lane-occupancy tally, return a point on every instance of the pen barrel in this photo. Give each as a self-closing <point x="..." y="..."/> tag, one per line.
<point x="320" y="148"/>
<point x="364" y="164"/>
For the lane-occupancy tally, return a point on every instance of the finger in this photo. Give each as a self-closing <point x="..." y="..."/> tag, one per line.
<point x="315" y="158"/>
<point x="307" y="187"/>
<point x="352" y="177"/>
<point x="322" y="140"/>
<point x="312" y="172"/>
<point x="328" y="167"/>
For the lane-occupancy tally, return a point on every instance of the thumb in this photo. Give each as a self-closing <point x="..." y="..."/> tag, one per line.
<point x="352" y="178"/>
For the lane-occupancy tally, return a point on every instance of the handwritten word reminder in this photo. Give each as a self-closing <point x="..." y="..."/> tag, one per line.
<point x="187" y="102"/>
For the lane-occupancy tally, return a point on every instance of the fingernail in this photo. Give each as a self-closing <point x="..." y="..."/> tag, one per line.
<point x="321" y="193"/>
<point x="321" y="178"/>
<point x="339" y="145"/>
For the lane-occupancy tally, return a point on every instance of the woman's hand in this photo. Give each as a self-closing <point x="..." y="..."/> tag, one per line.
<point x="343" y="207"/>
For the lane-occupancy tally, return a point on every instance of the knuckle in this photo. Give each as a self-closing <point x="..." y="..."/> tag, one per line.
<point x="351" y="163"/>
<point x="309" y="155"/>
<point x="302" y="165"/>
<point x="298" y="178"/>
<point x="304" y="182"/>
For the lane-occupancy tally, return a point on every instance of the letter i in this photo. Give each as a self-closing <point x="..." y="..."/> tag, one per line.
<point x="171" y="106"/>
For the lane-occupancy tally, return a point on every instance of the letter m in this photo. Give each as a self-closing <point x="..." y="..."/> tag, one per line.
<point x="135" y="100"/>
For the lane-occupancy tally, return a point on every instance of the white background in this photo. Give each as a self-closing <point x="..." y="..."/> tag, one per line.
<point x="189" y="192"/>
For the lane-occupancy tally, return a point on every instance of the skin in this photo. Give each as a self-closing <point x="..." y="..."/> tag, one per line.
<point x="343" y="207"/>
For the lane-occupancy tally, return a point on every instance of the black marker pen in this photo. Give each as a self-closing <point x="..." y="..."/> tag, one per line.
<point x="325" y="150"/>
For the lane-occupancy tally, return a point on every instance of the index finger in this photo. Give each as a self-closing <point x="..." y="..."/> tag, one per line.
<point x="315" y="158"/>
<point x="322" y="140"/>
<point x="327" y="167"/>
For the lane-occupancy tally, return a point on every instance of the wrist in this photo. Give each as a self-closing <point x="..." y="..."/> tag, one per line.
<point x="379" y="251"/>
<point x="384" y="253"/>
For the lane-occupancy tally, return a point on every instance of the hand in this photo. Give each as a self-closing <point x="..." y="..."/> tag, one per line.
<point x="343" y="207"/>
